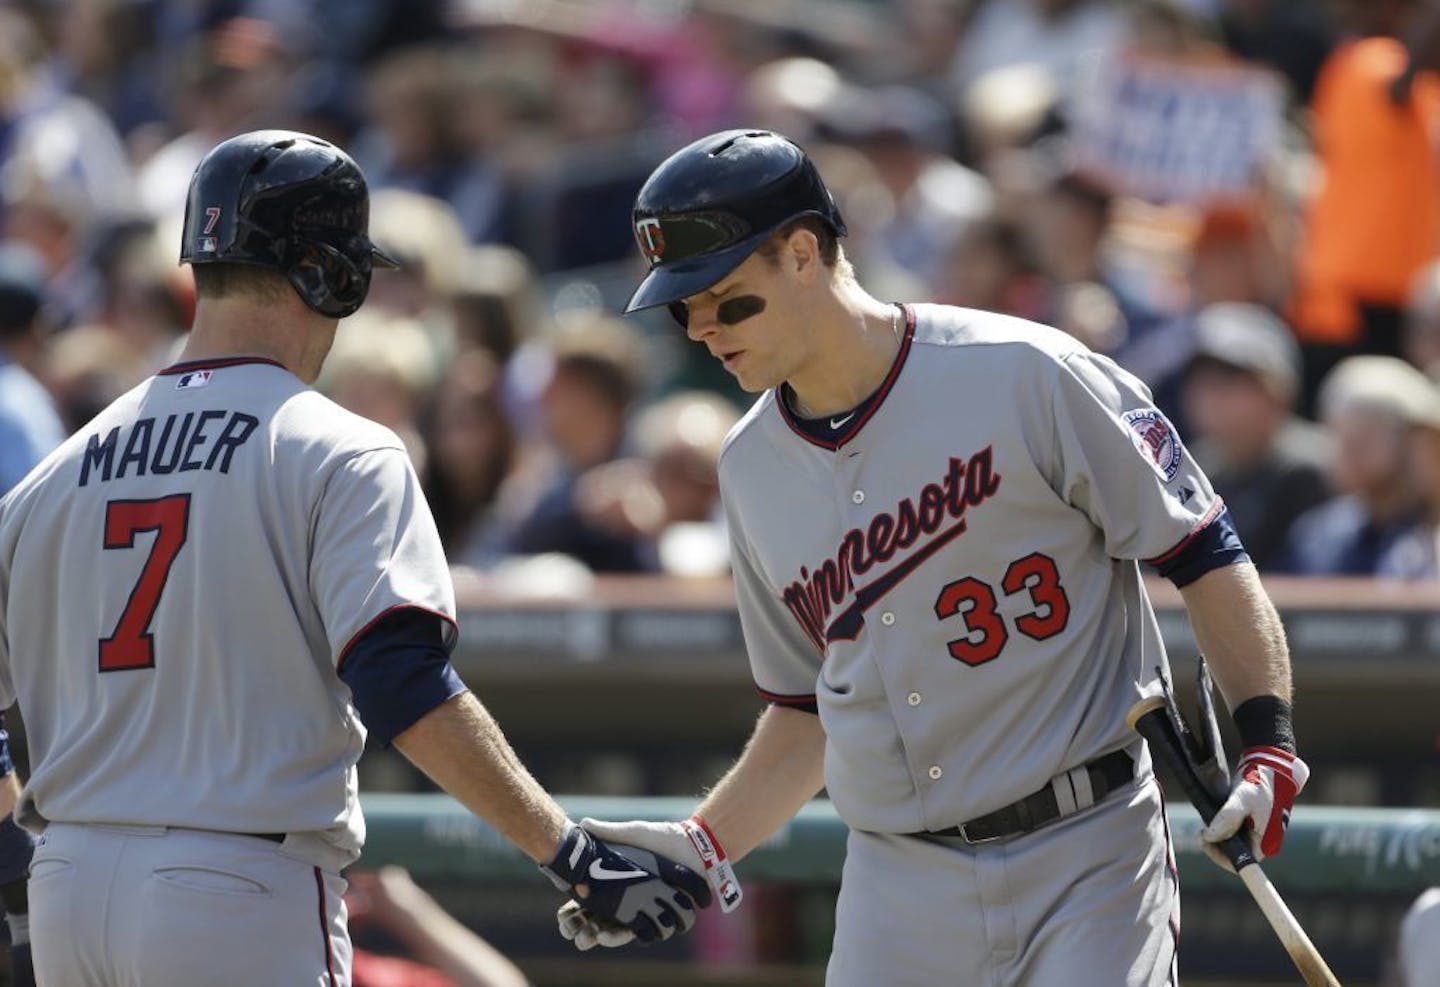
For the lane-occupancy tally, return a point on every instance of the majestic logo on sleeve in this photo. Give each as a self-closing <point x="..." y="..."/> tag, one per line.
<point x="939" y="513"/>
<point x="1156" y="439"/>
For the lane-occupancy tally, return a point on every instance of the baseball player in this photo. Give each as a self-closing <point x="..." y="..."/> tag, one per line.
<point x="937" y="517"/>
<point x="205" y="593"/>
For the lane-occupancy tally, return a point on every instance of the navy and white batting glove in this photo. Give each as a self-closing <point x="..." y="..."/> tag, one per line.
<point x="689" y="841"/>
<point x="648" y="895"/>
<point x="1267" y="780"/>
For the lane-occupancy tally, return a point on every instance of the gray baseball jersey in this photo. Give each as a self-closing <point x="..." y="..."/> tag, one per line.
<point x="178" y="583"/>
<point x="953" y="581"/>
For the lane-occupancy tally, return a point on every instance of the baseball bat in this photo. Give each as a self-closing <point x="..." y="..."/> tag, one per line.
<point x="1149" y="718"/>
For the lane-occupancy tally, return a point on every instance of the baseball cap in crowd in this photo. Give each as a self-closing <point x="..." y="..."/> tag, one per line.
<point x="1250" y="338"/>
<point x="22" y="287"/>
<point x="1385" y="384"/>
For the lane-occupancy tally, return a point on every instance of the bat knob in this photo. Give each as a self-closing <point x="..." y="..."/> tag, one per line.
<point x="1147" y="705"/>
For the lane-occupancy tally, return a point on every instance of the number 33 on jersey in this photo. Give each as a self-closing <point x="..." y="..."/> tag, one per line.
<point x="950" y="576"/>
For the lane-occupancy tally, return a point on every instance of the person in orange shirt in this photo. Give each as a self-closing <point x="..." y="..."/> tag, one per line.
<point x="1375" y="218"/>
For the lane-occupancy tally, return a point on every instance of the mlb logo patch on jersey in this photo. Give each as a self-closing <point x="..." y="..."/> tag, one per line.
<point x="1156" y="439"/>
<point x="197" y="378"/>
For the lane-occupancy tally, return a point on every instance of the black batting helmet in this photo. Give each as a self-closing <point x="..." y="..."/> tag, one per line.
<point x="709" y="205"/>
<point x="296" y="203"/>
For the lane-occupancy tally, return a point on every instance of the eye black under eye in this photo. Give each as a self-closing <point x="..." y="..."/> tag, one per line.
<point x="735" y="310"/>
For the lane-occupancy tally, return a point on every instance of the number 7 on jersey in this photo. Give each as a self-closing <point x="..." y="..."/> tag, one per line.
<point x="131" y="645"/>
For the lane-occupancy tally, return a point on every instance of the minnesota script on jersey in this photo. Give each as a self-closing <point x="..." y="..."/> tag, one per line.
<point x="954" y="580"/>
<point x="213" y="541"/>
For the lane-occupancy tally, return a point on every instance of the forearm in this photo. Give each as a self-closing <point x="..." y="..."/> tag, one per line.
<point x="782" y="768"/>
<point x="461" y="748"/>
<point x="9" y="793"/>
<point x="1239" y="633"/>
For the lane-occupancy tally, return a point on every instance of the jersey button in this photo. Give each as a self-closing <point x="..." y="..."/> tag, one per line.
<point x="913" y="699"/>
<point x="887" y="618"/>
<point x="935" y="772"/>
<point x="858" y="496"/>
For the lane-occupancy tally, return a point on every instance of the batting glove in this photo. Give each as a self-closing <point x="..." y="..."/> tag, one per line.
<point x="649" y="896"/>
<point x="1267" y="779"/>
<point x="691" y="842"/>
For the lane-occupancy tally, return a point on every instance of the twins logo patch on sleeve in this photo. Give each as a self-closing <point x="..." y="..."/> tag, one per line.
<point x="1156" y="439"/>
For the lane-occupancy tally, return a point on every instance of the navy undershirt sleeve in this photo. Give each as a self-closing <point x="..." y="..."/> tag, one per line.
<point x="811" y="705"/>
<point x="1212" y="547"/>
<point x="398" y="670"/>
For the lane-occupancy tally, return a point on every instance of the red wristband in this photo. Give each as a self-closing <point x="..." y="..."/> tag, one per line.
<point x="717" y="866"/>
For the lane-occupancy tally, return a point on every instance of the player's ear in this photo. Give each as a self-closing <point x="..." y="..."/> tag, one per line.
<point x="802" y="250"/>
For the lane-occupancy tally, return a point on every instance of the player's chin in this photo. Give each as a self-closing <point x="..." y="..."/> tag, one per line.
<point x="754" y="381"/>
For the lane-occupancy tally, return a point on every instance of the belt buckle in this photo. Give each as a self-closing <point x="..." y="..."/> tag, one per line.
<point x="976" y="840"/>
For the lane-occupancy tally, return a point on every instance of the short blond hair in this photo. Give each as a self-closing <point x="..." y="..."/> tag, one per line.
<point x="832" y="254"/>
<point x="264" y="285"/>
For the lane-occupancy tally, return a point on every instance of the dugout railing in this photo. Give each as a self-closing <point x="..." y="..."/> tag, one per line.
<point x="1348" y="873"/>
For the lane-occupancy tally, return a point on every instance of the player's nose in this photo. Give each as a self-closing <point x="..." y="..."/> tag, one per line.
<point x="701" y="324"/>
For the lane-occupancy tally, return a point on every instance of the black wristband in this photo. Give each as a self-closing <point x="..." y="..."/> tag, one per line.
<point x="1264" y="721"/>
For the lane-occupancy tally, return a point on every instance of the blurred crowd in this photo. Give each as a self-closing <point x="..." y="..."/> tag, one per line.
<point x="1237" y="200"/>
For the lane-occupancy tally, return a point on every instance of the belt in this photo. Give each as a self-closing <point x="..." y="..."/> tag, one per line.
<point x="1064" y="796"/>
<point x="161" y="830"/>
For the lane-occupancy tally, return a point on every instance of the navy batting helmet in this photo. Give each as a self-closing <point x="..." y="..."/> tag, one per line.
<point x="289" y="201"/>
<point x="709" y="205"/>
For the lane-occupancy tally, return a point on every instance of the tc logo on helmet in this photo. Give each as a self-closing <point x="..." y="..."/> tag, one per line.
<point x="651" y="237"/>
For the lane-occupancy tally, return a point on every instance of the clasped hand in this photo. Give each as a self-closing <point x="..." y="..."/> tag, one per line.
<point x="635" y="891"/>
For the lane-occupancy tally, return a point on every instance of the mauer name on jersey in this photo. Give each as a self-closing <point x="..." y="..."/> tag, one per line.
<point x="181" y="443"/>
<point x="813" y="596"/>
